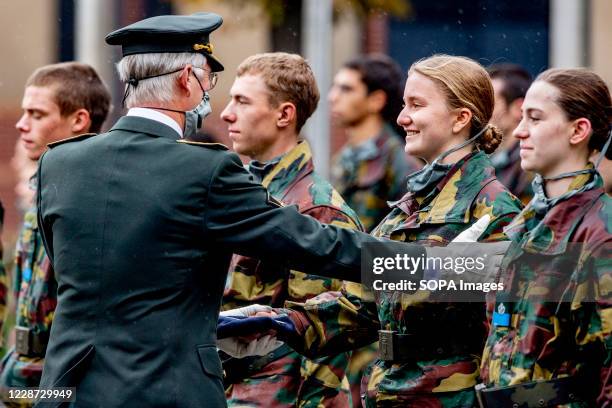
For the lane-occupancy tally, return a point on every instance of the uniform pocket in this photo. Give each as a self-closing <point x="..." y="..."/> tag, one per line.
<point x="209" y="359"/>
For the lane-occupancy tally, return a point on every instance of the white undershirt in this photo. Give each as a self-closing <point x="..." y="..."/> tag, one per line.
<point x="156" y="116"/>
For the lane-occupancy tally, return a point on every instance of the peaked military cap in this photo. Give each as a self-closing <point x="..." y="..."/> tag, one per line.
<point x="170" y="34"/>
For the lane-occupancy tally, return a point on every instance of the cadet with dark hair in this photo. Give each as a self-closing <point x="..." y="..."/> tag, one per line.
<point x="556" y="350"/>
<point x="510" y="83"/>
<point x="60" y="101"/>
<point x="372" y="167"/>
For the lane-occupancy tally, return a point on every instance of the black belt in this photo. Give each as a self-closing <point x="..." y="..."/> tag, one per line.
<point x="237" y="369"/>
<point x="398" y="348"/>
<point x="534" y="394"/>
<point x="30" y="343"/>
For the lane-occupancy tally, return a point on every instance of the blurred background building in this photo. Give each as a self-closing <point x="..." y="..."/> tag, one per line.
<point x="535" y="33"/>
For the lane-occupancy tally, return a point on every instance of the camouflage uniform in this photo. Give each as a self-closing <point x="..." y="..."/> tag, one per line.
<point x="544" y="340"/>
<point x="508" y="170"/>
<point x="3" y="280"/>
<point x="288" y="379"/>
<point x="372" y="173"/>
<point x="368" y="176"/>
<point x="35" y="291"/>
<point x="341" y="321"/>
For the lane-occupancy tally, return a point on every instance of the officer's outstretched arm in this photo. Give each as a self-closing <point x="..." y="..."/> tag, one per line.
<point x="243" y="218"/>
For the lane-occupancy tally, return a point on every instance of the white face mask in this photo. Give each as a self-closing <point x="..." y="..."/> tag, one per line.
<point x="193" y="118"/>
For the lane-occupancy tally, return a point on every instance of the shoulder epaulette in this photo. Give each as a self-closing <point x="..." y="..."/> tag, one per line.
<point x="216" y="146"/>
<point x="71" y="139"/>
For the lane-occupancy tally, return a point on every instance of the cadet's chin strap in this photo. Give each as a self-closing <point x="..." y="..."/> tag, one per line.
<point x="542" y="204"/>
<point x="134" y="82"/>
<point x="605" y="149"/>
<point x="600" y="157"/>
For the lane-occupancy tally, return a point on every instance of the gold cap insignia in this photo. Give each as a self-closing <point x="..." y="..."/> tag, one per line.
<point x="206" y="47"/>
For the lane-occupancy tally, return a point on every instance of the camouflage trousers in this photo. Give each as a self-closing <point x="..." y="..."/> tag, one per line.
<point x="359" y="362"/>
<point x="19" y="371"/>
<point x="393" y="379"/>
<point x="293" y="381"/>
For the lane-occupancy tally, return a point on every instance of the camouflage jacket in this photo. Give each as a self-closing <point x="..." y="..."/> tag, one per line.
<point x="297" y="381"/>
<point x="508" y="170"/>
<point x="3" y="280"/>
<point x="565" y="254"/>
<point x="35" y="291"/>
<point x="352" y="317"/>
<point x="372" y="173"/>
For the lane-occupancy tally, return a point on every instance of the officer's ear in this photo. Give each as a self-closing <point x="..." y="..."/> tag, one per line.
<point x="81" y="122"/>
<point x="286" y="114"/>
<point x="184" y="77"/>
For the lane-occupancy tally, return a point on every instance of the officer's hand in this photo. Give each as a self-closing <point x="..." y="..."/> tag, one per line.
<point x="246" y="311"/>
<point x="474" y="232"/>
<point x="237" y="348"/>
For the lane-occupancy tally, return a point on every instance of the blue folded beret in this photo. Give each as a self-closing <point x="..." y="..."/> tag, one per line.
<point x="235" y="326"/>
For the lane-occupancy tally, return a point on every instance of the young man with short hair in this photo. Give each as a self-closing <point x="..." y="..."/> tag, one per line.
<point x="271" y="99"/>
<point x="60" y="101"/>
<point x="371" y="168"/>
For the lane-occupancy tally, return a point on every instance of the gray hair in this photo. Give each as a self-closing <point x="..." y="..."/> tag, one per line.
<point x="158" y="89"/>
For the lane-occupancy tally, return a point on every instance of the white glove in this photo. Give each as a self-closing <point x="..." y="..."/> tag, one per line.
<point x="246" y="311"/>
<point x="258" y="347"/>
<point x="474" y="232"/>
<point x="495" y="253"/>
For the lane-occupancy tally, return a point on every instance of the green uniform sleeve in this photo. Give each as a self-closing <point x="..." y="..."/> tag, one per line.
<point x="334" y="322"/>
<point x="242" y="217"/>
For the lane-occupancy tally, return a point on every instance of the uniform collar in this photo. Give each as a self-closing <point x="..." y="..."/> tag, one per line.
<point x="297" y="161"/>
<point x="506" y="158"/>
<point x="157" y="116"/>
<point x="368" y="149"/>
<point x="551" y="234"/>
<point x="139" y="124"/>
<point x="451" y="199"/>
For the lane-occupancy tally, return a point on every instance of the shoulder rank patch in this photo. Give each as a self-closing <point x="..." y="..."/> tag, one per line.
<point x="71" y="139"/>
<point x="216" y="146"/>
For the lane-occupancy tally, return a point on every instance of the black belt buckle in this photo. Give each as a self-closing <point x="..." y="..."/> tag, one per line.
<point x="22" y="340"/>
<point x="386" y="345"/>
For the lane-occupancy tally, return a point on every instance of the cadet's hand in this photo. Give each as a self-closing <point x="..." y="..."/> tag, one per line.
<point x="237" y="348"/>
<point x="246" y="311"/>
